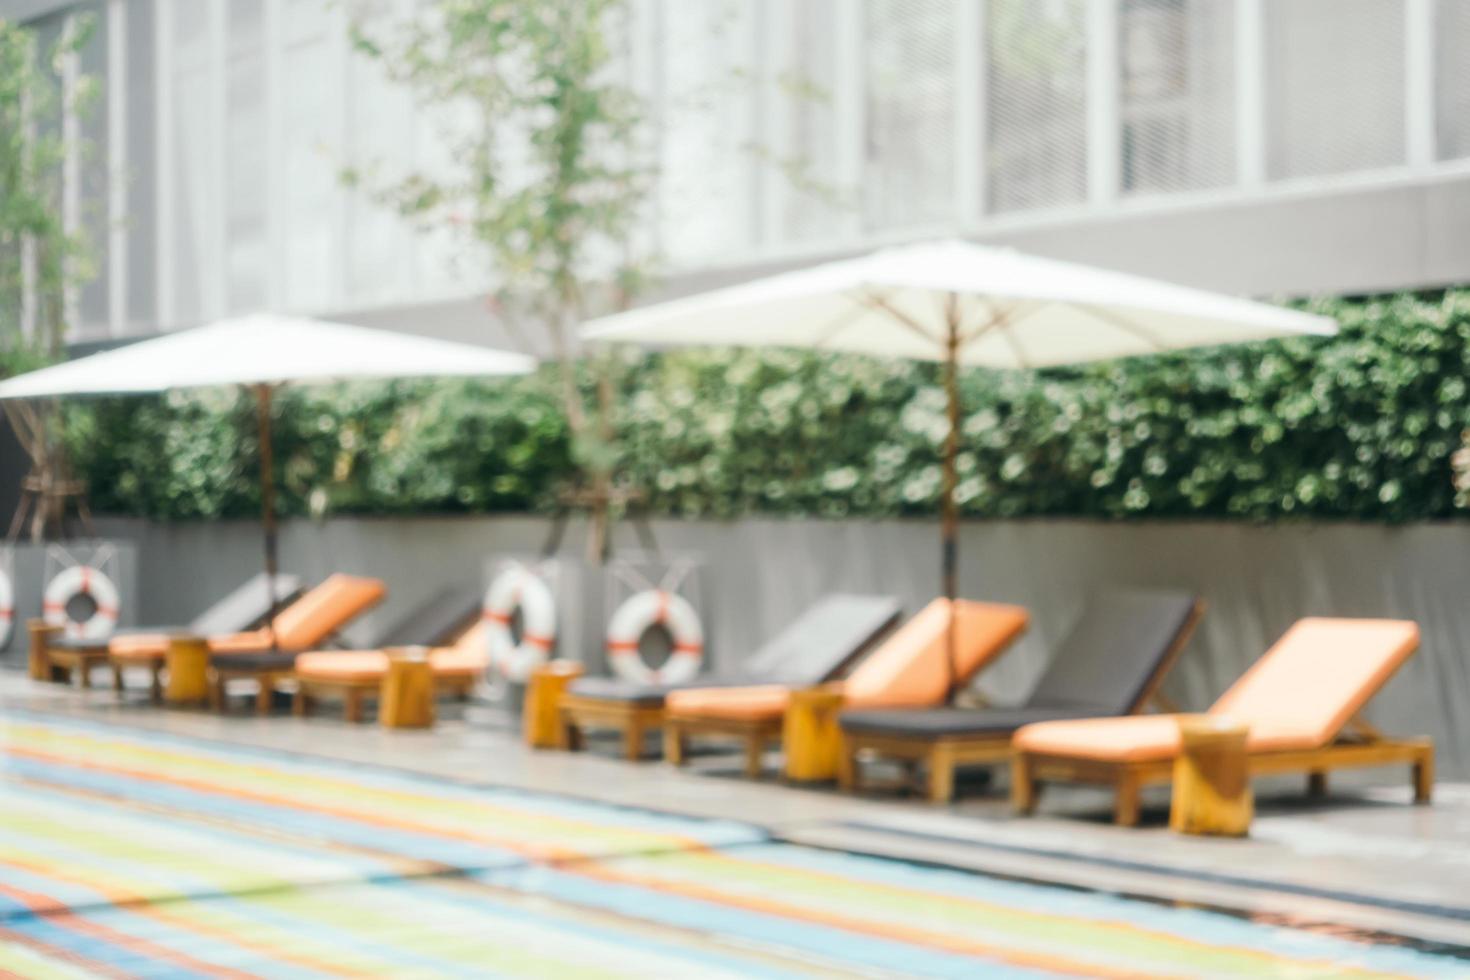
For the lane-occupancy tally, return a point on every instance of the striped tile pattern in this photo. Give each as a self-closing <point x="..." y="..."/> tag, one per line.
<point x="129" y="854"/>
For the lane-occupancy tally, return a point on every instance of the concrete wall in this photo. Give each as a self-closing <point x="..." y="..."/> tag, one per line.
<point x="761" y="573"/>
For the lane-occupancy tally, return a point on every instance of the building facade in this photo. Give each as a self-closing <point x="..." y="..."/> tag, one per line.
<point x="1264" y="147"/>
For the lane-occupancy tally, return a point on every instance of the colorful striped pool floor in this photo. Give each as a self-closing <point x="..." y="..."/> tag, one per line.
<point x="132" y="854"/>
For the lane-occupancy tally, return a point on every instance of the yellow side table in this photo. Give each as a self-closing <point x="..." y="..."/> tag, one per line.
<point x="810" y="735"/>
<point x="41" y="633"/>
<point x="406" y="698"/>
<point x="1212" y="780"/>
<point x="541" y="721"/>
<point x="187" y="661"/>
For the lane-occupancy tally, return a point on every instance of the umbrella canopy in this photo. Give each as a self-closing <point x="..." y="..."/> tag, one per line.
<point x="262" y="352"/>
<point x="262" y="349"/>
<point x="964" y="305"/>
<point x="1009" y="310"/>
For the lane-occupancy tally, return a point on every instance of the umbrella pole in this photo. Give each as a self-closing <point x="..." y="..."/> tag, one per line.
<point x="263" y="394"/>
<point x="949" y="527"/>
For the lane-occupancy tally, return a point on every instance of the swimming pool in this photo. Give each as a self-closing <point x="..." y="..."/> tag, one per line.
<point x="154" y="855"/>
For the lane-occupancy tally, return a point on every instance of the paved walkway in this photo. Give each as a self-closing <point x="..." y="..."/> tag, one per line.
<point x="652" y="871"/>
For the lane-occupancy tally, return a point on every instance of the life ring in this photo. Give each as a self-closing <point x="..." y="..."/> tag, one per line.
<point x="634" y="617"/>
<point x="7" y="610"/>
<point x="76" y="581"/>
<point x="517" y="588"/>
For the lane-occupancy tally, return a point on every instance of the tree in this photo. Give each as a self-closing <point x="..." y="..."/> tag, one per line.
<point x="41" y="260"/>
<point x="549" y="178"/>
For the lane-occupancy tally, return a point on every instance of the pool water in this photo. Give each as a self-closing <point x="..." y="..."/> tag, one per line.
<point x="149" y="855"/>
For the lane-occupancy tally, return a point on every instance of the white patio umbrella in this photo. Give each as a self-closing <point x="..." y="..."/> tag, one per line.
<point x="262" y="352"/>
<point x="964" y="305"/>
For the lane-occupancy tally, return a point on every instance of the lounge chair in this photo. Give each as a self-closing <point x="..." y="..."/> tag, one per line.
<point x="1301" y="700"/>
<point x="1111" y="663"/>
<point x="908" y="669"/>
<point x="809" y="651"/>
<point x="448" y="623"/>
<point x="245" y="608"/>
<point x="309" y="623"/>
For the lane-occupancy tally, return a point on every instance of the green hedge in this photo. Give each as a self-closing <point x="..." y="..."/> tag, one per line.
<point x="1358" y="426"/>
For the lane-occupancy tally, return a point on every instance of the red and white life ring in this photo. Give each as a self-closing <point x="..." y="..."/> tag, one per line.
<point x="7" y="610"/>
<point x="634" y="617"/>
<point x="76" y="581"/>
<point x="518" y="588"/>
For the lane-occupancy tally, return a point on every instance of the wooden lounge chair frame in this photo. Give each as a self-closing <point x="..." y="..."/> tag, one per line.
<point x="630" y="719"/>
<point x="942" y="754"/>
<point x="354" y="693"/>
<point x="1359" y="746"/>
<point x="754" y="734"/>
<point x="60" y="664"/>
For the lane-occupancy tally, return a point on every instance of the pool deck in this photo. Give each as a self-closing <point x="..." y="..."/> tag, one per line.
<point x="1364" y="858"/>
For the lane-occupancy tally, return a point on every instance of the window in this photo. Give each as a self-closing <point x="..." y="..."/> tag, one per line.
<point x="1177" y="94"/>
<point x="1334" y="86"/>
<point x="312" y="112"/>
<point x="812" y="202"/>
<point x="908" y="176"/>
<point x="195" y="155"/>
<point x="246" y="246"/>
<point x="1452" y="86"/>
<point x="1036" y="103"/>
<point x="706" y="194"/>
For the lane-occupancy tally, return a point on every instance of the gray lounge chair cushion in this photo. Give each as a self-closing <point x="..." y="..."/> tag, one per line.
<point x="258" y="663"/>
<point x="812" y="649"/>
<point x="434" y="622"/>
<point x="939" y="722"/>
<point x="1103" y="667"/>
<point x="246" y="607"/>
<point x="1115" y="650"/>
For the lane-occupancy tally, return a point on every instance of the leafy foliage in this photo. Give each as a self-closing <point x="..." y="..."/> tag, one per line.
<point x="1360" y="426"/>
<point x="32" y="149"/>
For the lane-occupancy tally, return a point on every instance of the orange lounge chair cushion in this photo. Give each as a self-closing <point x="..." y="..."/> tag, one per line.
<point x="1297" y="697"/>
<point x="312" y="619"/>
<point x="469" y="657"/>
<point x="907" y="670"/>
<point x="140" y="647"/>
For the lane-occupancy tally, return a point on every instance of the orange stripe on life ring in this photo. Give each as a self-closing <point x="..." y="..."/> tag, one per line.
<point x="491" y="616"/>
<point x="6" y="614"/>
<point x="622" y="646"/>
<point x="662" y="615"/>
<point x="107" y="612"/>
<point x="544" y="642"/>
<point x="688" y="647"/>
<point x="51" y="606"/>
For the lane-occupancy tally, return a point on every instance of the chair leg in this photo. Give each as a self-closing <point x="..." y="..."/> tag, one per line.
<point x="352" y="704"/>
<point x="300" y="702"/>
<point x="1424" y="776"/>
<point x="674" y="744"/>
<point x="117" y="678"/>
<point x="155" y="684"/>
<point x="1317" y="784"/>
<point x="847" y="767"/>
<point x="84" y="669"/>
<point x="755" y="750"/>
<point x="1126" y="807"/>
<point x="216" y="692"/>
<point x="941" y="774"/>
<point x="571" y="735"/>
<point x="1023" y="786"/>
<point x="266" y="695"/>
<point x="633" y="741"/>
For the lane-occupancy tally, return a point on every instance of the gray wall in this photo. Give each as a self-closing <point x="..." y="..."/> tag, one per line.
<point x="761" y="573"/>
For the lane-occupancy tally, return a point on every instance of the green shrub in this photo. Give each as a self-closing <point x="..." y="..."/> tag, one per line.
<point x="1359" y="426"/>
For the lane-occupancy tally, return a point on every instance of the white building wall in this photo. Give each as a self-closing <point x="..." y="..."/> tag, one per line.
<point x="1259" y="146"/>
